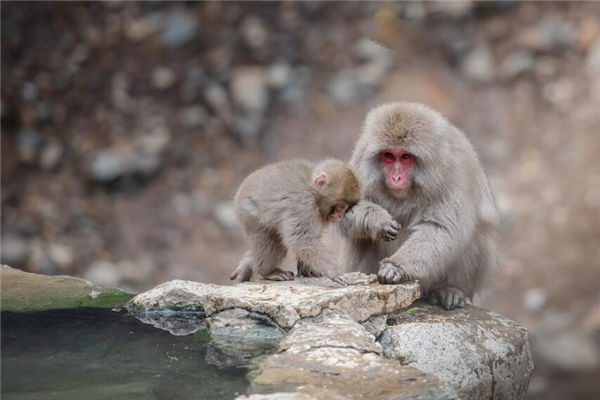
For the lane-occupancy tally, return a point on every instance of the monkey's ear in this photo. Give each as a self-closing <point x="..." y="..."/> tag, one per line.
<point x="320" y="180"/>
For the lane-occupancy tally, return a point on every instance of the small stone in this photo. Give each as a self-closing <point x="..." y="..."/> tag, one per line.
<point x="51" y="155"/>
<point x="15" y="250"/>
<point x="107" y="165"/>
<point x="550" y="33"/>
<point x="454" y="9"/>
<point x="216" y="96"/>
<point x="43" y="112"/>
<point x="478" y="65"/>
<point x="516" y="64"/>
<point x="249" y="127"/>
<point x="592" y="61"/>
<point x="163" y="78"/>
<point x="249" y="88"/>
<point x="280" y="75"/>
<point x="566" y="351"/>
<point x="30" y="91"/>
<point x="139" y="29"/>
<point x="179" y="28"/>
<point x="254" y="32"/>
<point x="560" y="92"/>
<point x="369" y="50"/>
<point x="589" y="31"/>
<point x="61" y="255"/>
<point x="346" y="88"/>
<point x="28" y="143"/>
<point x="103" y="274"/>
<point x="534" y="299"/>
<point x="193" y="116"/>
<point x="546" y="67"/>
<point x="225" y="216"/>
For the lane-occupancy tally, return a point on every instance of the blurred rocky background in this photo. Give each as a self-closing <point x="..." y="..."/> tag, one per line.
<point x="126" y="128"/>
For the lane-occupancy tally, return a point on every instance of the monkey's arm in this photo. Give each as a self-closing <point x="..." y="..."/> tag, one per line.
<point x="367" y="220"/>
<point x="429" y="249"/>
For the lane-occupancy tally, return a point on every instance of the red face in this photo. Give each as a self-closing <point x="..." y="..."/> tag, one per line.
<point x="398" y="165"/>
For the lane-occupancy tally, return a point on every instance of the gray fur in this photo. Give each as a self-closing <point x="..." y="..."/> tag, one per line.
<point x="448" y="218"/>
<point x="281" y="209"/>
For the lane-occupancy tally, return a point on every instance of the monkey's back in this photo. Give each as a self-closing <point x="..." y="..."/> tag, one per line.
<point x="272" y="190"/>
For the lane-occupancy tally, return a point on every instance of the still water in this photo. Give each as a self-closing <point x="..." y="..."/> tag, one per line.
<point x="98" y="354"/>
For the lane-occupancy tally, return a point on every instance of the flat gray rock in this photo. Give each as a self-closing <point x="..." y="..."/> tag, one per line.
<point x="477" y="353"/>
<point x="329" y="329"/>
<point x="343" y="373"/>
<point x="284" y="302"/>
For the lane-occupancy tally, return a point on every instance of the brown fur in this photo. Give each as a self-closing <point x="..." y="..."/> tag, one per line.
<point x="448" y="217"/>
<point x="282" y="207"/>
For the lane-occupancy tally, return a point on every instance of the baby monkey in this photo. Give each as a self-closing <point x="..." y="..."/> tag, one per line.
<point x="286" y="206"/>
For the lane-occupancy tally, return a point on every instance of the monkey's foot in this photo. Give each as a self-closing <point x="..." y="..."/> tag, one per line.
<point x="390" y="273"/>
<point x="242" y="273"/>
<point x="280" y="275"/>
<point x="447" y="297"/>
<point x="308" y="271"/>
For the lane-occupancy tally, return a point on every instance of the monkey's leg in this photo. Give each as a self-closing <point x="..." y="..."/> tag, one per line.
<point x="306" y="270"/>
<point x="447" y="297"/>
<point x="367" y="220"/>
<point x="268" y="252"/>
<point x="243" y="272"/>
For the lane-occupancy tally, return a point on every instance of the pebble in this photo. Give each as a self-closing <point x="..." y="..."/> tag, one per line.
<point x="225" y="216"/>
<point x="566" y="351"/>
<point x="61" y="255"/>
<point x="103" y="273"/>
<point x="193" y="116"/>
<point x="592" y="61"/>
<point x="178" y="29"/>
<point x="29" y="143"/>
<point x="30" y="91"/>
<point x="107" y="165"/>
<point x="254" y="32"/>
<point x="551" y="33"/>
<point x="15" y="250"/>
<point x="478" y="64"/>
<point x="163" y="78"/>
<point x="249" y="88"/>
<point x="51" y="155"/>
<point x="516" y="64"/>
<point x="534" y="299"/>
<point x="369" y="50"/>
<point x="346" y="87"/>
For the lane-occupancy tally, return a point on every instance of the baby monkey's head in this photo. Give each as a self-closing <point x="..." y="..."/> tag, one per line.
<point x="337" y="188"/>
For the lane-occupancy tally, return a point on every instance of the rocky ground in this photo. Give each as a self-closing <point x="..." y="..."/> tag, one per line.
<point x="126" y="128"/>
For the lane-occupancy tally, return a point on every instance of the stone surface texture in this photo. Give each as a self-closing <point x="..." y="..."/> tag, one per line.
<point x="284" y="302"/>
<point x="27" y="292"/>
<point x="344" y="373"/>
<point x="477" y="353"/>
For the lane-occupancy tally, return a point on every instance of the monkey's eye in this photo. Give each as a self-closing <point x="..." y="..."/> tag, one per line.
<point x="407" y="156"/>
<point x="389" y="156"/>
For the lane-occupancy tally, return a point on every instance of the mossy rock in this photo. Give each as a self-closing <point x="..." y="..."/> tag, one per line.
<point x="27" y="292"/>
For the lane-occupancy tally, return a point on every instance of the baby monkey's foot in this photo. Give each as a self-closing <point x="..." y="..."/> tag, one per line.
<point x="307" y="270"/>
<point x="447" y="297"/>
<point x="280" y="275"/>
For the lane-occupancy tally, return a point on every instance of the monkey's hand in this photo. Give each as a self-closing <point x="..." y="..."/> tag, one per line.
<point x="388" y="230"/>
<point x="391" y="273"/>
<point x="381" y="225"/>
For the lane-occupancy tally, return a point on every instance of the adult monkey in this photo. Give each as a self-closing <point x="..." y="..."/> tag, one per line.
<point x="428" y="213"/>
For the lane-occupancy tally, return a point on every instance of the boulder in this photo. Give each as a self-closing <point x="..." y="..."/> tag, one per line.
<point x="283" y="302"/>
<point x="477" y="353"/>
<point x="27" y="292"/>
